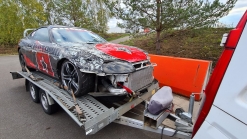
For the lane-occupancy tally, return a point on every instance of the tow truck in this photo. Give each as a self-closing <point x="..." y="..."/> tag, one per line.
<point x="222" y="113"/>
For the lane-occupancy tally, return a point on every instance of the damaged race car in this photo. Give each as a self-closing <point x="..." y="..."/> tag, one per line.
<point x="85" y="62"/>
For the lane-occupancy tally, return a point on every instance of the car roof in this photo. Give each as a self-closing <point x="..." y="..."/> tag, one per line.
<point x="60" y="26"/>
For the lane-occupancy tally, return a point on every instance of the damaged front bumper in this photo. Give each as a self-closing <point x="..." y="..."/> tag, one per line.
<point x="125" y="83"/>
<point x="114" y="91"/>
<point x="138" y="92"/>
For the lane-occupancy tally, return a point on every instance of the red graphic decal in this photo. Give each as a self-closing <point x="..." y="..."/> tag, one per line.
<point x="123" y="52"/>
<point x="44" y="64"/>
<point x="29" y="62"/>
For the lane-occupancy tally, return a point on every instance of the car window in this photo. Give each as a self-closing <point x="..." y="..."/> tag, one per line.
<point x="40" y="35"/>
<point x="76" y="35"/>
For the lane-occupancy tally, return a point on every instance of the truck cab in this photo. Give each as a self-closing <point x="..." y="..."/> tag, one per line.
<point x="223" y="112"/>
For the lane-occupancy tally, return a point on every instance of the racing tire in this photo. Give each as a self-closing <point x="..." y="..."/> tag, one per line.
<point x="81" y="83"/>
<point x="34" y="92"/>
<point x="23" y="63"/>
<point x="48" y="109"/>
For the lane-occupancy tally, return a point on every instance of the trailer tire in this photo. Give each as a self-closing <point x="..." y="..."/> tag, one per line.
<point x="48" y="109"/>
<point x="34" y="92"/>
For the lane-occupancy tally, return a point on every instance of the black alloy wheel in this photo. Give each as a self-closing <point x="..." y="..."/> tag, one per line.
<point x="70" y="77"/>
<point x="74" y="79"/>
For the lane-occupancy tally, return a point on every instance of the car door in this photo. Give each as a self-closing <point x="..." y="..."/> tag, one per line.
<point x="41" y="46"/>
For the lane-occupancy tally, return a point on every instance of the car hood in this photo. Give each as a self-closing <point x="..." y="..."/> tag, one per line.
<point x="107" y="51"/>
<point x="123" y="52"/>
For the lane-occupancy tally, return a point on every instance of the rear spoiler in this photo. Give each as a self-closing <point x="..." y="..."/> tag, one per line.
<point x="26" y="30"/>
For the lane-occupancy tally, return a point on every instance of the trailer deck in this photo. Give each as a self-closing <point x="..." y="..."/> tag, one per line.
<point x="97" y="114"/>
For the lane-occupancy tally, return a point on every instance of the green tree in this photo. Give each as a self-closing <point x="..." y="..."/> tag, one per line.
<point x="90" y="14"/>
<point x="31" y="13"/>
<point x="163" y="15"/>
<point x="9" y="26"/>
<point x="49" y="11"/>
<point x="15" y="16"/>
<point x="101" y="14"/>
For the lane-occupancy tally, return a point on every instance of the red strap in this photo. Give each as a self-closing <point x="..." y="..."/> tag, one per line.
<point x="126" y="88"/>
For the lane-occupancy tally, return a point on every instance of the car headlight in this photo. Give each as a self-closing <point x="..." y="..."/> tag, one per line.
<point x="148" y="57"/>
<point x="118" y="67"/>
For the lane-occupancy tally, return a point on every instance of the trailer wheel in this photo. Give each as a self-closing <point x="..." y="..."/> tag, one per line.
<point x="48" y="109"/>
<point x="34" y="92"/>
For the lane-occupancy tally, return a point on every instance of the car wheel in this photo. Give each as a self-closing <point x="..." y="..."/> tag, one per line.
<point x="48" y="109"/>
<point x="22" y="61"/>
<point x="74" y="79"/>
<point x="34" y="92"/>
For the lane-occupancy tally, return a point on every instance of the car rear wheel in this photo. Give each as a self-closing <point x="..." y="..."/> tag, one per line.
<point x="22" y="61"/>
<point x="74" y="79"/>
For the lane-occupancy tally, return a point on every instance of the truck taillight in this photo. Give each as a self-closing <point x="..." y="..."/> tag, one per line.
<point x="219" y="71"/>
<point x="235" y="34"/>
<point x="232" y="39"/>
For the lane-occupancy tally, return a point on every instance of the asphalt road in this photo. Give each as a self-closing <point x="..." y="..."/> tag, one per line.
<point x="21" y="118"/>
<point x="121" y="39"/>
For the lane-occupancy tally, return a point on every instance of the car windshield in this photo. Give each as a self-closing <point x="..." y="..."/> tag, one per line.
<point x="76" y="35"/>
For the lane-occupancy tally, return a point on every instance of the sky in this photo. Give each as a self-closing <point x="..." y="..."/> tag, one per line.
<point x="230" y="20"/>
<point x="235" y="14"/>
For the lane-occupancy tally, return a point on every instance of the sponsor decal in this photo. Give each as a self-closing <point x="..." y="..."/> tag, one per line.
<point x="44" y="64"/>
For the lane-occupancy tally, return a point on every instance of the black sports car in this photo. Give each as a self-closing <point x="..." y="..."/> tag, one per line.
<point x="84" y="61"/>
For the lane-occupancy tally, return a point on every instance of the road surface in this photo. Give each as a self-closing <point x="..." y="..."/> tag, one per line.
<point x="121" y="39"/>
<point x="21" y="118"/>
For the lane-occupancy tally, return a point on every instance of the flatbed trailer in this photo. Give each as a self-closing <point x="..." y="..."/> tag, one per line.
<point x="97" y="114"/>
